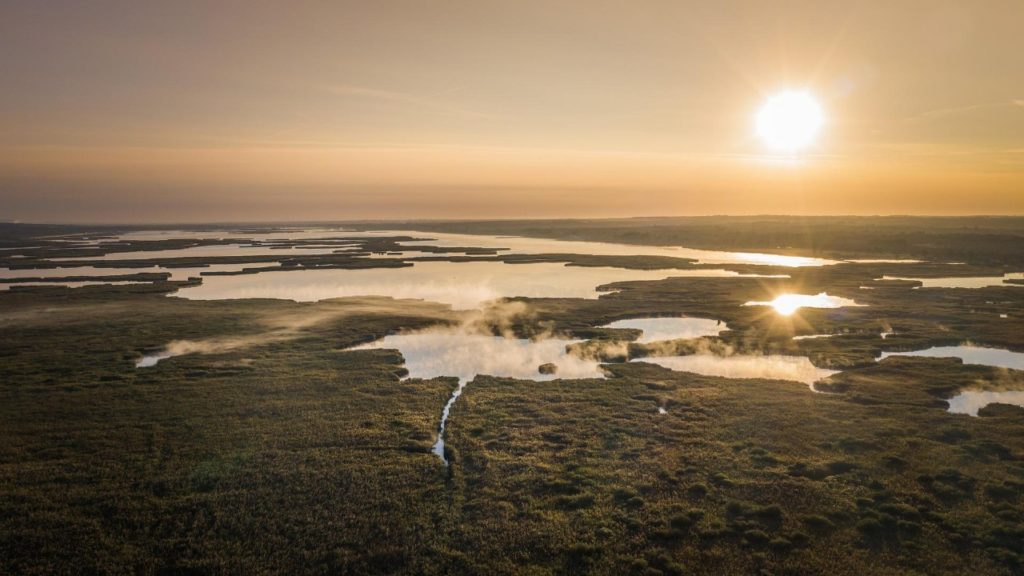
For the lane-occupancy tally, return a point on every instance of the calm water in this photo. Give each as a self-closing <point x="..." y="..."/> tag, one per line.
<point x="772" y="367"/>
<point x="521" y="245"/>
<point x="150" y="360"/>
<point x="208" y="252"/>
<point x="786" y="304"/>
<point x="463" y="285"/>
<point x="660" y="329"/>
<point x="176" y="273"/>
<point x="279" y="234"/>
<point x="507" y="244"/>
<point x="963" y="282"/>
<point x="65" y="284"/>
<point x="970" y="355"/>
<point x="464" y="355"/>
<point x="970" y="401"/>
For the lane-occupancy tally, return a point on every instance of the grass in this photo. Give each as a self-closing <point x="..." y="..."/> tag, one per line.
<point x="287" y="454"/>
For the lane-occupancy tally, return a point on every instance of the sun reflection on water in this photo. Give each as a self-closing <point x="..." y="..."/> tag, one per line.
<point x="787" y="304"/>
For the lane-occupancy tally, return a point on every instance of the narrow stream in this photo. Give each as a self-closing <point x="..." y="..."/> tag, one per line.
<point x="465" y="354"/>
<point x="438" y="447"/>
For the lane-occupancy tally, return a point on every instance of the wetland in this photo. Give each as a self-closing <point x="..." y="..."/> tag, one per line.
<point x="650" y="396"/>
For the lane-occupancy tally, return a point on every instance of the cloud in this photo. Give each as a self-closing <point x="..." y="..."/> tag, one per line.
<point x="957" y="110"/>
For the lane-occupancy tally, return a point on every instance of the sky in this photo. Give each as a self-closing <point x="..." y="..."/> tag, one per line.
<point x="229" y="111"/>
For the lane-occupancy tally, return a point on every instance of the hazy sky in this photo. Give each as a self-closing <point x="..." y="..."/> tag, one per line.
<point x="191" y="111"/>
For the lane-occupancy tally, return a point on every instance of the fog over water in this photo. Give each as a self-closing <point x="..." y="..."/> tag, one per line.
<point x="471" y="285"/>
<point x="506" y="245"/>
<point x="463" y="285"/>
<point x="787" y="304"/>
<point x="463" y="353"/>
<point x="970" y="401"/>
<point x="522" y="245"/>
<point x="772" y="367"/>
<point x="970" y="355"/>
<point x="659" y="329"/>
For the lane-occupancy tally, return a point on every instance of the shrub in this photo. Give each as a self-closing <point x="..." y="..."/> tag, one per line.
<point x="870" y="528"/>
<point x="698" y="490"/>
<point x="818" y="524"/>
<point x="755" y="537"/>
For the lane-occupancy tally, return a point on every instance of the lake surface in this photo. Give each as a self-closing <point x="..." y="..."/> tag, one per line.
<point x="660" y="329"/>
<point x="505" y="244"/>
<point x="521" y="245"/>
<point x="463" y="285"/>
<point x="209" y="251"/>
<point x="77" y="284"/>
<point x="771" y="367"/>
<point x="786" y="304"/>
<point x="963" y="282"/>
<point x="150" y="360"/>
<point x="464" y="355"/>
<point x="175" y="273"/>
<point x="970" y="401"/>
<point x="279" y="233"/>
<point x="970" y="355"/>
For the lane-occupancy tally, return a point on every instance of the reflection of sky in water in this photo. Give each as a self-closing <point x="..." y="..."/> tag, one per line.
<point x="455" y="352"/>
<point x="970" y="401"/>
<point x="176" y="273"/>
<point x="64" y="284"/>
<point x="520" y="245"/>
<point x="514" y="245"/>
<point x="882" y="261"/>
<point x="963" y="282"/>
<point x="970" y="355"/>
<point x="281" y="234"/>
<point x="772" y="367"/>
<point x="658" y="329"/>
<point x="787" y="304"/>
<point x="205" y="252"/>
<point x="464" y="285"/>
<point x="150" y="360"/>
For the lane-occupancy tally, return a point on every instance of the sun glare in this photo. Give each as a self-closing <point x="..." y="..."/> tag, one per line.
<point x="789" y="121"/>
<point x="787" y="304"/>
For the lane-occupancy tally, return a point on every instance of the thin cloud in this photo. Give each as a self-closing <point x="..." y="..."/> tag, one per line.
<point x="956" y="110"/>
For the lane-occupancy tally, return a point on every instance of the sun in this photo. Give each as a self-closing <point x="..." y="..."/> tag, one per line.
<point x="789" y="121"/>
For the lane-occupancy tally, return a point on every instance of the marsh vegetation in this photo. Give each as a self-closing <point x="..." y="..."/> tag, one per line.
<point x="285" y="436"/>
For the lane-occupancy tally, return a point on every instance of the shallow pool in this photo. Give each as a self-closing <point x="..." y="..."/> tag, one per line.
<point x="660" y="329"/>
<point x="771" y="367"/>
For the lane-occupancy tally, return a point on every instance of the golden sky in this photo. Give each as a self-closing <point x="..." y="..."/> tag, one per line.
<point x="249" y="110"/>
